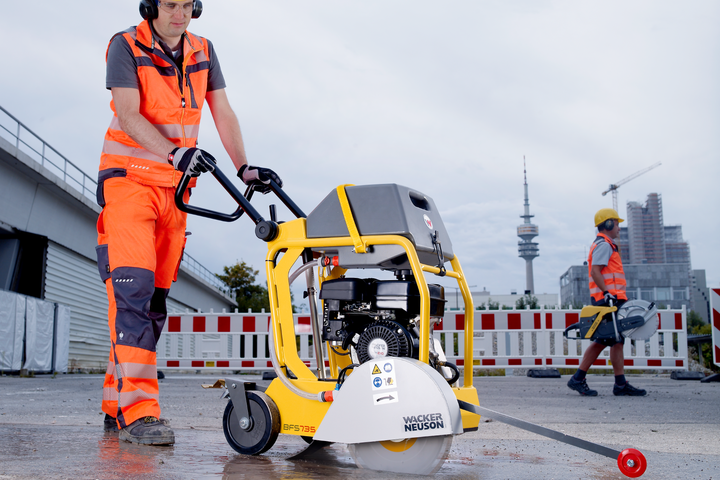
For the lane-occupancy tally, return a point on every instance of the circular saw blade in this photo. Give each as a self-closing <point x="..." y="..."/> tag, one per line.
<point x="641" y="308"/>
<point x="419" y="456"/>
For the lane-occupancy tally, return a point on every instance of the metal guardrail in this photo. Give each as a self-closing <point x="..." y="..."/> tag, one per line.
<point x="196" y="267"/>
<point x="48" y="157"/>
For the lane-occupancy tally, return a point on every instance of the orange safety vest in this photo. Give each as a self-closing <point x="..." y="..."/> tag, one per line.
<point x="170" y="100"/>
<point x="612" y="273"/>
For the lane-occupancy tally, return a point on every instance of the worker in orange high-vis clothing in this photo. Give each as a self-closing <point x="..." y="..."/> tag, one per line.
<point x="607" y="286"/>
<point x="160" y="76"/>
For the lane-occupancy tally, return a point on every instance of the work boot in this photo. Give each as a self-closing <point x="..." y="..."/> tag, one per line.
<point x="148" y="431"/>
<point x="581" y="387"/>
<point x="110" y="423"/>
<point x="628" y="390"/>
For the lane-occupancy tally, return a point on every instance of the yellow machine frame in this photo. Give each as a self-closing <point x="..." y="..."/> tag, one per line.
<point x="302" y="416"/>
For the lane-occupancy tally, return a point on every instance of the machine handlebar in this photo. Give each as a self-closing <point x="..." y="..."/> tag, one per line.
<point x="264" y="229"/>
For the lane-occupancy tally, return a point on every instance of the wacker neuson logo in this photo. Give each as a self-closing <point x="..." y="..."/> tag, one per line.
<point x="429" y="421"/>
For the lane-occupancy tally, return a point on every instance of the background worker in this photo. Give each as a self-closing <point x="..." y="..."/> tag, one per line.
<point x="607" y="285"/>
<point x="160" y="76"/>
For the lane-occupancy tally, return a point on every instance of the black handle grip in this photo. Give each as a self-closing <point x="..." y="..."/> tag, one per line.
<point x="244" y="205"/>
<point x="574" y="326"/>
<point x="265" y="230"/>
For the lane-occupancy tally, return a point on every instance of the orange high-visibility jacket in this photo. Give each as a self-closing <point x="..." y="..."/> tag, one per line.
<point x="171" y="100"/>
<point x="613" y="273"/>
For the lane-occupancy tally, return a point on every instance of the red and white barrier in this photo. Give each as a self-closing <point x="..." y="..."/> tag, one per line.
<point x="534" y="339"/>
<point x="502" y="339"/>
<point x="715" y="309"/>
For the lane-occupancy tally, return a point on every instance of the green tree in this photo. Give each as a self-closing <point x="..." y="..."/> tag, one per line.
<point x="527" y="300"/>
<point x="694" y="321"/>
<point x="240" y="278"/>
<point x="696" y="326"/>
<point x="493" y="305"/>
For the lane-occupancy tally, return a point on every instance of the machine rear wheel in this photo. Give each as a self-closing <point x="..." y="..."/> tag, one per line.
<point x="420" y="456"/>
<point x="265" y="425"/>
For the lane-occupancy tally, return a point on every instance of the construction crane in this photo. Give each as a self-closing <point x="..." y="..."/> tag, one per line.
<point x="614" y="186"/>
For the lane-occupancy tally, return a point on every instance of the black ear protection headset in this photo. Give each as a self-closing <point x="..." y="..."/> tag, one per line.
<point x="149" y="9"/>
<point x="608" y="224"/>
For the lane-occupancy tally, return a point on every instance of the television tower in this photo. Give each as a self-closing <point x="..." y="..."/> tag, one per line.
<point x="527" y="249"/>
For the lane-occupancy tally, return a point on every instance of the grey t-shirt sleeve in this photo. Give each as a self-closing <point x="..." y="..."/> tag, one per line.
<point x="121" y="70"/>
<point x="216" y="81"/>
<point x="122" y="67"/>
<point x="601" y="254"/>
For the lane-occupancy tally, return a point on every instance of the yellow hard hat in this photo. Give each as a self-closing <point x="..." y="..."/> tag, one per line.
<point x="606" y="214"/>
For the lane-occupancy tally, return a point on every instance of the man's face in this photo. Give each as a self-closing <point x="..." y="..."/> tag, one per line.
<point x="173" y="19"/>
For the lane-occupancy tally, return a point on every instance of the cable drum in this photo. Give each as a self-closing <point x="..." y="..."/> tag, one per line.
<point x="383" y="339"/>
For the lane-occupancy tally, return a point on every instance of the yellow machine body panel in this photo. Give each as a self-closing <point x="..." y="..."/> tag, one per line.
<point x="468" y="394"/>
<point x="597" y="312"/>
<point x="298" y="415"/>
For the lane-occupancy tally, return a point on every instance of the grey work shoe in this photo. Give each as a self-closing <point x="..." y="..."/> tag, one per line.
<point x="581" y="387"/>
<point x="628" y="390"/>
<point x="110" y="423"/>
<point x="148" y="431"/>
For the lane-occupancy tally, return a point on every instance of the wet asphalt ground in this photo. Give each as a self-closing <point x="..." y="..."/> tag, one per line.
<point x="52" y="428"/>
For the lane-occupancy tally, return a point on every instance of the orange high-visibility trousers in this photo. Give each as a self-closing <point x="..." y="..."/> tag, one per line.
<point x="141" y="237"/>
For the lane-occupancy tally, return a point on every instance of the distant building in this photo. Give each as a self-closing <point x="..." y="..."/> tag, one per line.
<point x="482" y="298"/>
<point x="667" y="285"/>
<point x="655" y="258"/>
<point x="574" y="287"/>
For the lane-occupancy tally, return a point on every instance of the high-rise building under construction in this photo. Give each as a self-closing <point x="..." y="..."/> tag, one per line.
<point x="647" y="240"/>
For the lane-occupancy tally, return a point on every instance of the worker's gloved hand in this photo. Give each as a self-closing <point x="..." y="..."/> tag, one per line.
<point x="250" y="174"/>
<point x="192" y="161"/>
<point x="610" y="299"/>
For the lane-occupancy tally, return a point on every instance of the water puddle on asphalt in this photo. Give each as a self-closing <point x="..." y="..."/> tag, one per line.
<point x="87" y="452"/>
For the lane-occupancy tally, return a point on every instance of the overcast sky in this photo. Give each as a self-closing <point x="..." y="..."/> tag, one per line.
<point x="443" y="97"/>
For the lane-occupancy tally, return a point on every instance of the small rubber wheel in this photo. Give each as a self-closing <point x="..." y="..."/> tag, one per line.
<point x="632" y="462"/>
<point x="265" y="425"/>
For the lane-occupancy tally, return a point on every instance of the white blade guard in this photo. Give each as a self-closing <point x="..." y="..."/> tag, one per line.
<point x="644" y="309"/>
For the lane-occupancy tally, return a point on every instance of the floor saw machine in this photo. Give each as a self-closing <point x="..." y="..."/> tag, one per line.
<point x="388" y="391"/>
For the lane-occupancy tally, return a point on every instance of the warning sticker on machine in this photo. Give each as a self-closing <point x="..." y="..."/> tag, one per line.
<point x="385" y="398"/>
<point x="383" y="375"/>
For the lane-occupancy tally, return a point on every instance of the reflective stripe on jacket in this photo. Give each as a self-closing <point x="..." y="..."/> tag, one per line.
<point x="613" y="273"/>
<point x="170" y="99"/>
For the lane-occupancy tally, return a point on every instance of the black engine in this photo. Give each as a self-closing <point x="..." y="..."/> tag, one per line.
<point x="377" y="318"/>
